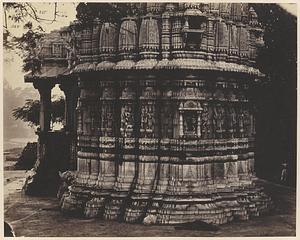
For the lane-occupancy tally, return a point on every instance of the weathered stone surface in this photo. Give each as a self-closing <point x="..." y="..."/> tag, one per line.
<point x="166" y="131"/>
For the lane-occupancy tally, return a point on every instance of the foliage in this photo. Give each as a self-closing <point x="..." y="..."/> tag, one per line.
<point x="27" y="44"/>
<point x="276" y="97"/>
<point x="28" y="157"/>
<point x="20" y="12"/>
<point x="30" y="111"/>
<point x="58" y="110"/>
<point x="278" y="57"/>
<point x="105" y="12"/>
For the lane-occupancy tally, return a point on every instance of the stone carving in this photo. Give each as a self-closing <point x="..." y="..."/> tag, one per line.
<point x="107" y="93"/>
<point x="94" y="120"/>
<point x="190" y="123"/>
<point x="194" y="145"/>
<point x="144" y="118"/>
<point x="108" y="38"/>
<point x="126" y="120"/>
<point x="128" y="93"/>
<point x="79" y="117"/>
<point x="86" y="45"/>
<point x="147" y="120"/>
<point x="190" y="93"/>
<point x="149" y="92"/>
<point x="169" y="124"/>
<point x="219" y="120"/>
<point x="206" y="126"/>
<point x="107" y="119"/>
<point x="222" y="39"/>
<point x="244" y="41"/>
<point x="177" y="41"/>
<point x="247" y="122"/>
<point x="128" y="35"/>
<point x="231" y="121"/>
<point x="149" y="34"/>
<point x="231" y="169"/>
<point x="241" y="117"/>
<point x="219" y="94"/>
<point x="95" y="39"/>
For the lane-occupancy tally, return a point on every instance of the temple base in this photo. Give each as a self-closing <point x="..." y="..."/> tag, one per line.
<point x="218" y="207"/>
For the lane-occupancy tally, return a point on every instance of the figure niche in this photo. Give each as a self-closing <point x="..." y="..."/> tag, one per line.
<point x="190" y="119"/>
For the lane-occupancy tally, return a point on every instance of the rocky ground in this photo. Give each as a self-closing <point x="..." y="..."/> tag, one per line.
<point x="40" y="217"/>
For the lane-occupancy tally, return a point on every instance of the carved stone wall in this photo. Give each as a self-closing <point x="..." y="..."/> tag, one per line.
<point x="149" y="141"/>
<point x="164" y="123"/>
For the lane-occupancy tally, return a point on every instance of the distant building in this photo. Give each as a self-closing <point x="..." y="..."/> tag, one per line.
<point x="158" y="115"/>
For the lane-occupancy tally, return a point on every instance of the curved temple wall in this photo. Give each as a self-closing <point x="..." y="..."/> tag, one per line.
<point x="165" y="122"/>
<point x="179" y="146"/>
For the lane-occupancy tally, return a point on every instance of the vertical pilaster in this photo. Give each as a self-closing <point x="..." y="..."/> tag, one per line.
<point x="210" y="38"/>
<point x="180" y="123"/>
<point x="199" y="124"/>
<point x="166" y="35"/>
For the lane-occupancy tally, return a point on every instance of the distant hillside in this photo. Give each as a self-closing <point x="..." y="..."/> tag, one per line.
<point x="16" y="132"/>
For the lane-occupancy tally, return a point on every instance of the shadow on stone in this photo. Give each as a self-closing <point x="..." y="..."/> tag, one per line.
<point x="196" y="226"/>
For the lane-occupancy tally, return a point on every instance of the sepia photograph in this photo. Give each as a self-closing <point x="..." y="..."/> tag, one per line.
<point x="149" y="119"/>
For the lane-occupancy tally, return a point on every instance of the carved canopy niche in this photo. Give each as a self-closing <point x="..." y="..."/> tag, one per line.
<point x="190" y="119"/>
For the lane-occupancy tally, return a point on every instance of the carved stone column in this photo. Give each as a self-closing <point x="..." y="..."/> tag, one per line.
<point x="45" y="107"/>
<point x="43" y="174"/>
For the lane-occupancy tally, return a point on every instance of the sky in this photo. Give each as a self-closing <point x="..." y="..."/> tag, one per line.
<point x="12" y="70"/>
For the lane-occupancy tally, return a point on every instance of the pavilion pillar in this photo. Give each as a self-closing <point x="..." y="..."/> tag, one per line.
<point x="45" y="104"/>
<point x="44" y="177"/>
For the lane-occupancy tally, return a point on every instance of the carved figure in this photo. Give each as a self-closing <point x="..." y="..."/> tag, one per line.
<point x="247" y="122"/>
<point x="144" y="118"/>
<point x="150" y="123"/>
<point x="219" y="119"/>
<point x="241" y="122"/>
<point x="206" y="121"/>
<point x="231" y="115"/>
<point x="190" y="122"/>
<point x="126" y="119"/>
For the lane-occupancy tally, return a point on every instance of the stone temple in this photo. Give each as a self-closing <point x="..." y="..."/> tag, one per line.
<point x="158" y="115"/>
